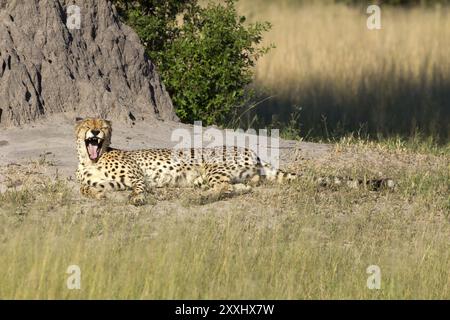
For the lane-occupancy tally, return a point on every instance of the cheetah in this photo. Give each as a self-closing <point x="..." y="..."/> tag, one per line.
<point x="222" y="170"/>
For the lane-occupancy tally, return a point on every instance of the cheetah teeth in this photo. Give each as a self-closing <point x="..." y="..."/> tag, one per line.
<point x="94" y="140"/>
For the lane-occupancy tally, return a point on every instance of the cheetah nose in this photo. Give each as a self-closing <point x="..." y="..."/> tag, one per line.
<point x="95" y="132"/>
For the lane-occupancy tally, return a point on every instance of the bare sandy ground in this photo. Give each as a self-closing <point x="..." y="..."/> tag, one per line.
<point x="53" y="140"/>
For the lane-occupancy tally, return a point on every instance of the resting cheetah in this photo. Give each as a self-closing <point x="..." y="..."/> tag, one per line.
<point x="222" y="169"/>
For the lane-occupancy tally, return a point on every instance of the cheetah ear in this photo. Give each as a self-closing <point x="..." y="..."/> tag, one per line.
<point x="78" y="122"/>
<point x="109" y="122"/>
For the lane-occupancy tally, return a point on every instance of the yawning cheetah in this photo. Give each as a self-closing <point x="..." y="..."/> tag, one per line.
<point x="223" y="169"/>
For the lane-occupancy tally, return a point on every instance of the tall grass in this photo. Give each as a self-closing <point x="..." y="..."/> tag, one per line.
<point x="341" y="77"/>
<point x="281" y="242"/>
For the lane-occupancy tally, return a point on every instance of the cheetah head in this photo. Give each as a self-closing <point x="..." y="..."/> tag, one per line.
<point x="93" y="138"/>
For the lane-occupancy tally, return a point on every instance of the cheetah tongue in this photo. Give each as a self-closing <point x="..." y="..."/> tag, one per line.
<point x="93" y="151"/>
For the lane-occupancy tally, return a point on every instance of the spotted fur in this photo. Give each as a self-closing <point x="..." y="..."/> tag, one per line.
<point x="220" y="169"/>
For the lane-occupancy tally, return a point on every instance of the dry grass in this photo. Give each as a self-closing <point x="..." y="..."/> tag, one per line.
<point x="291" y="241"/>
<point x="279" y="242"/>
<point x="345" y="77"/>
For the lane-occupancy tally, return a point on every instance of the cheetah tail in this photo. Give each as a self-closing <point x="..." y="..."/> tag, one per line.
<point x="273" y="174"/>
<point x="374" y="184"/>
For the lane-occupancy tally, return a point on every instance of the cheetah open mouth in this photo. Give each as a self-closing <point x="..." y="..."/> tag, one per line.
<point x="94" y="147"/>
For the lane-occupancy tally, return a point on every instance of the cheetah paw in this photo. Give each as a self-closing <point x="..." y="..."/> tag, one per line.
<point x="138" y="199"/>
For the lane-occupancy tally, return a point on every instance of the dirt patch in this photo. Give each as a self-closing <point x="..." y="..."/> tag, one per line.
<point x="53" y="140"/>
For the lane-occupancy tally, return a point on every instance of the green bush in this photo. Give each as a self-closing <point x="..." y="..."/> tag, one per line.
<point x="204" y="54"/>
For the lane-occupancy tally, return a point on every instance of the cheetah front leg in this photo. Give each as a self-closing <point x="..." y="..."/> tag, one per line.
<point x="138" y="196"/>
<point x="90" y="188"/>
<point x="95" y="183"/>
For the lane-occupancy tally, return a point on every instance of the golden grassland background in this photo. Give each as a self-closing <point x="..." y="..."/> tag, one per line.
<point x="294" y="241"/>
<point x="330" y="75"/>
